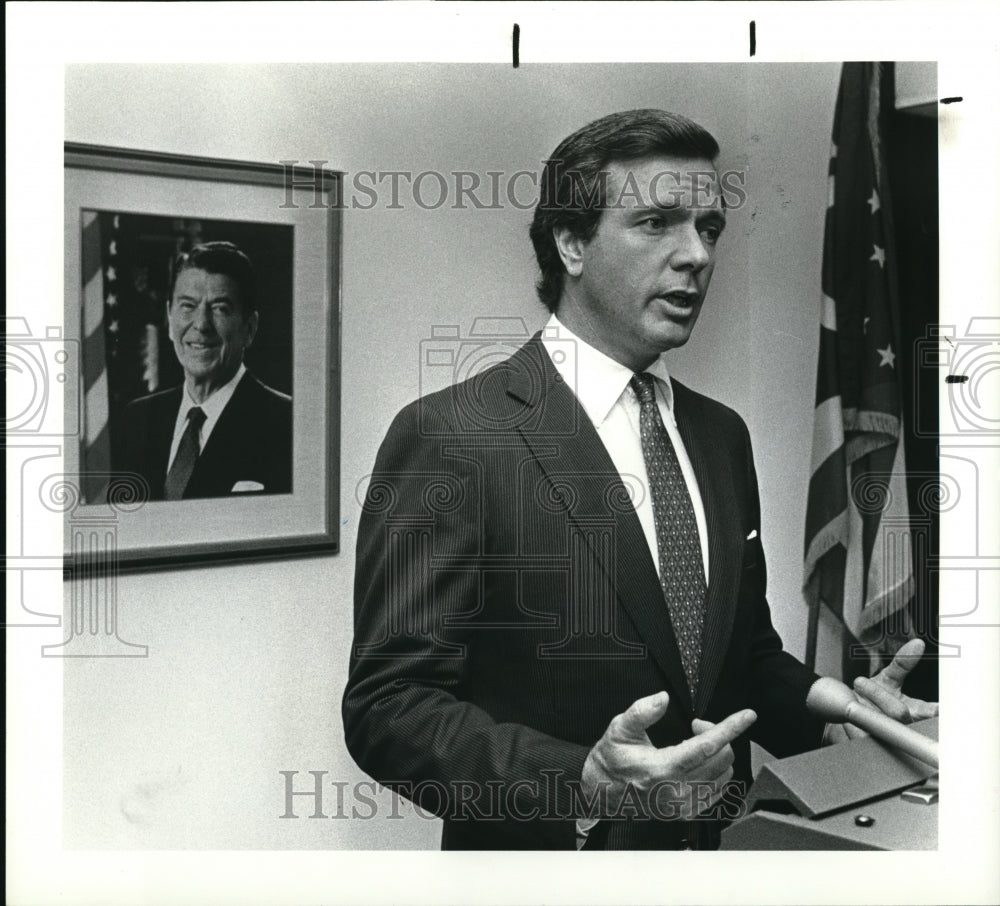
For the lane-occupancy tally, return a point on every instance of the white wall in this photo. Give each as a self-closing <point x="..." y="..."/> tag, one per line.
<point x="247" y="663"/>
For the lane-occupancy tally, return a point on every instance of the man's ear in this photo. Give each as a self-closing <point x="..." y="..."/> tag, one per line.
<point x="252" y="323"/>
<point x="570" y="247"/>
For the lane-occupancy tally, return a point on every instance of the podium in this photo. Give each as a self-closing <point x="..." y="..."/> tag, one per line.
<point x="857" y="794"/>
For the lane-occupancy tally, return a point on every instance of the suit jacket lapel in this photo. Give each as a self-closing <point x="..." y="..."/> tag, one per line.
<point x="583" y="463"/>
<point x="225" y="438"/>
<point x="712" y="469"/>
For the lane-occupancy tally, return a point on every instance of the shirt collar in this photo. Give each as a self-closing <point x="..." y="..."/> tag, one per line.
<point x="597" y="380"/>
<point x="213" y="406"/>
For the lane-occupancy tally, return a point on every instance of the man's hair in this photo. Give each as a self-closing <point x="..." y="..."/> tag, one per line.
<point x="221" y="258"/>
<point x="573" y="193"/>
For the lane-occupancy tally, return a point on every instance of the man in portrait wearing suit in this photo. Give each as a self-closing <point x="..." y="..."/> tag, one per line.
<point x="222" y="431"/>
<point x="562" y="638"/>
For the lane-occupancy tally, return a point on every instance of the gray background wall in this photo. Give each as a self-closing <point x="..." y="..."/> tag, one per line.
<point x="247" y="663"/>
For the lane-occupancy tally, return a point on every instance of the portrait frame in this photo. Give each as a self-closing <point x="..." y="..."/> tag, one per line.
<point x="119" y="528"/>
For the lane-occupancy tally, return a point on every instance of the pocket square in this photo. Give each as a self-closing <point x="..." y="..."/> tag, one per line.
<point x="752" y="535"/>
<point x="243" y="487"/>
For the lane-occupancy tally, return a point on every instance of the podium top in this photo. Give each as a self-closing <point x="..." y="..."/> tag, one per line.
<point x="836" y="777"/>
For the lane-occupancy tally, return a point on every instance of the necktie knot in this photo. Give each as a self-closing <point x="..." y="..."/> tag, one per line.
<point x="644" y="385"/>
<point x="196" y="417"/>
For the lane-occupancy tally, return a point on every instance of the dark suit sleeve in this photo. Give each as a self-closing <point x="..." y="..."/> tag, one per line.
<point x="412" y="710"/>
<point x="133" y="428"/>
<point x="137" y="454"/>
<point x="778" y="681"/>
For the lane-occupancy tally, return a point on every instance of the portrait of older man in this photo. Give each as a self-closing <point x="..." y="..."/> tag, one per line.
<point x="562" y="638"/>
<point x="222" y="432"/>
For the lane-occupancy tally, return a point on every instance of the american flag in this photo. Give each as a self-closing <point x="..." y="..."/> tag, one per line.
<point x="122" y="312"/>
<point x="858" y="559"/>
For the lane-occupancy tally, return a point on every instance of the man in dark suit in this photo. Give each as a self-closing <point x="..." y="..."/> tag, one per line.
<point x="222" y="432"/>
<point x="561" y="632"/>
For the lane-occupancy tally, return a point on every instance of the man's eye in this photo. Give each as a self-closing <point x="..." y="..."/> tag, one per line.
<point x="711" y="234"/>
<point x="221" y="309"/>
<point x="652" y="223"/>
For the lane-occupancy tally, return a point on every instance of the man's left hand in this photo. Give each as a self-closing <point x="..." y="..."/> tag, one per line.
<point x="884" y="692"/>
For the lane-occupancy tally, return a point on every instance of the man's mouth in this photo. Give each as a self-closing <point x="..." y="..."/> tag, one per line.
<point x="200" y="347"/>
<point x="684" y="300"/>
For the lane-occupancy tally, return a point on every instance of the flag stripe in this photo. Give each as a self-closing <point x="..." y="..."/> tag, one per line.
<point x="828" y="313"/>
<point x="827" y="495"/>
<point x="828" y="433"/>
<point x="827" y="379"/>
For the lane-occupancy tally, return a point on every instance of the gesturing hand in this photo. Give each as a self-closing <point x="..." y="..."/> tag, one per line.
<point x="884" y="692"/>
<point x="626" y="770"/>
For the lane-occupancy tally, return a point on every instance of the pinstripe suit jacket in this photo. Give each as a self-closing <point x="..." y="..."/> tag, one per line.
<point x="507" y="607"/>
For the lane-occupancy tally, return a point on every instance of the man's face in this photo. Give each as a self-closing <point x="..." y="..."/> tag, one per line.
<point x="208" y="328"/>
<point x="640" y="281"/>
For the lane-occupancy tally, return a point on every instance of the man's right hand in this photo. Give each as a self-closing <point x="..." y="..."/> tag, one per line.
<point x="680" y="781"/>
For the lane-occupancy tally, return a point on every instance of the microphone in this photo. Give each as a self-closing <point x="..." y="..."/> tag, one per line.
<point x="834" y="702"/>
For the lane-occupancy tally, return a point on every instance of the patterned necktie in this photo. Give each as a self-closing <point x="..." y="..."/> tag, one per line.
<point x="682" y="574"/>
<point x="187" y="455"/>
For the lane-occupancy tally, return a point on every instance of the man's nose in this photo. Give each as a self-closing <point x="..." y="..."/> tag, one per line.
<point x="203" y="318"/>
<point x="690" y="252"/>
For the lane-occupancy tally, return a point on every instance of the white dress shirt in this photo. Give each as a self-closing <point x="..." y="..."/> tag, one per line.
<point x="212" y="407"/>
<point x="602" y="386"/>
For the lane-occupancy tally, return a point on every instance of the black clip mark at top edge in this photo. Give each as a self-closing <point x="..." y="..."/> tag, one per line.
<point x="516" y="41"/>
<point x="952" y="100"/>
<point x="753" y="37"/>
<point x="956" y="378"/>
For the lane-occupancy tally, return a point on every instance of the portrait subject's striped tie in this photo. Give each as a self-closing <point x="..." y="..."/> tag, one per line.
<point x="682" y="574"/>
<point x="187" y="455"/>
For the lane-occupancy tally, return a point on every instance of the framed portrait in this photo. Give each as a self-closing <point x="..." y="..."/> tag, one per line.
<point x="186" y="279"/>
